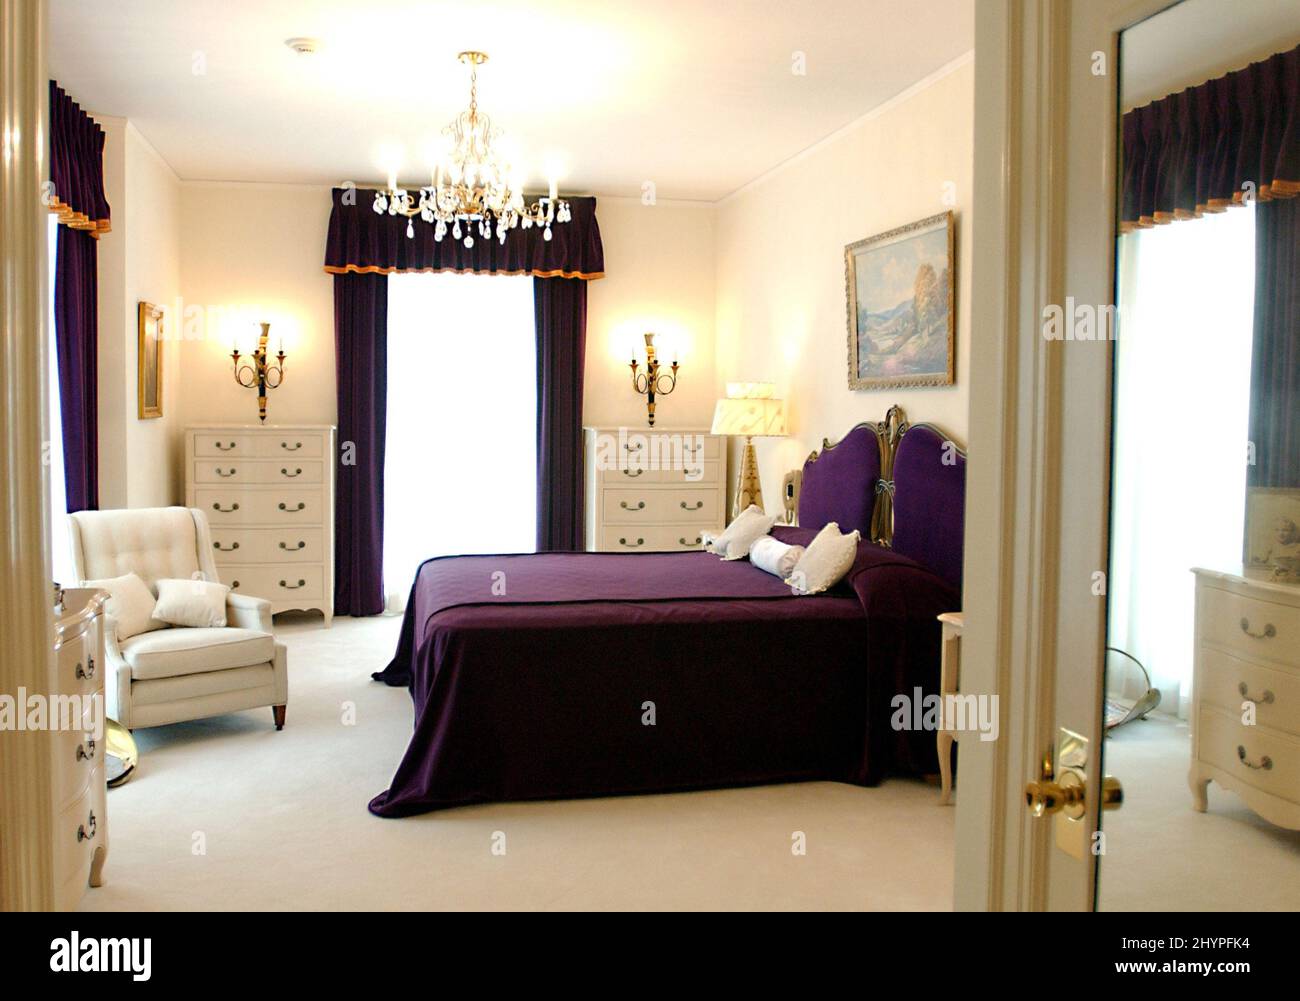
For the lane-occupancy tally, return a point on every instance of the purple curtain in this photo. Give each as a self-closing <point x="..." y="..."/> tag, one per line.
<point x="76" y="329"/>
<point x="360" y="240"/>
<point x="560" y="307"/>
<point x="76" y="165"/>
<point x="361" y="353"/>
<point x="1195" y="151"/>
<point x="1275" y="361"/>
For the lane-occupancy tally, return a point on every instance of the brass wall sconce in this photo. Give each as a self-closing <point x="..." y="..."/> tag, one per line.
<point x="652" y="383"/>
<point x="259" y="375"/>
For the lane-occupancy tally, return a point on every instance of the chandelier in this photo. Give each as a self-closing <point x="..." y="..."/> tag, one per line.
<point x="472" y="190"/>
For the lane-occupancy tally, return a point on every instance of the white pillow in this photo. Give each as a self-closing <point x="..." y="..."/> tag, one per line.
<point x="196" y="603"/>
<point x="130" y="603"/>
<point x="826" y="560"/>
<point x="734" y="543"/>
<point x="774" y="556"/>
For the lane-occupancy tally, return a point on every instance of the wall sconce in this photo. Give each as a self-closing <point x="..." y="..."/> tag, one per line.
<point x="651" y="383"/>
<point x="259" y="374"/>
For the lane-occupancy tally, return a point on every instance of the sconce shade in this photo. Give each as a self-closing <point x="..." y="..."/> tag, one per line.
<point x="750" y="416"/>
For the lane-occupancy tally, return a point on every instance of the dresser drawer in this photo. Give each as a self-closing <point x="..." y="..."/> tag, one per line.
<point x="77" y="665"/>
<point x="290" y="445"/>
<point x="259" y="472"/>
<point x="1249" y="626"/>
<point x="1227" y="682"/>
<point x="225" y="444"/>
<point x="647" y="506"/>
<point x="705" y="471"/>
<point x="268" y="545"/>
<point x="291" y="582"/>
<point x="235" y="506"/>
<point x="1255" y="755"/>
<point x="655" y="538"/>
<point x="79" y="751"/>
<point x="79" y="828"/>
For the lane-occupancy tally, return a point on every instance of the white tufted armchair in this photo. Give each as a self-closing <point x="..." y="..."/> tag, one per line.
<point x="176" y="673"/>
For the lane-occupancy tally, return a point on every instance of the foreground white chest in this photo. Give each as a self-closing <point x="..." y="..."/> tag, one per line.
<point x="1246" y="694"/>
<point x="268" y="493"/>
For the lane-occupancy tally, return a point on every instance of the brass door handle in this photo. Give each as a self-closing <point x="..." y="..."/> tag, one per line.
<point x="1265" y="699"/>
<point x="1267" y="634"/>
<point x="1069" y="796"/>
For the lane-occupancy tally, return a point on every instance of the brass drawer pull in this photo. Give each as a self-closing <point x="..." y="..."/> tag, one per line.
<point x="224" y="510"/>
<point x="640" y="505"/>
<point x="628" y="472"/>
<point x="1268" y="633"/>
<point x="87" y="672"/>
<point x="225" y="549"/>
<point x="698" y="505"/>
<point x="226" y="448"/>
<point x="234" y="585"/>
<point x="1263" y="700"/>
<point x="83" y="754"/>
<point x="302" y="506"/>
<point x="82" y="834"/>
<point x="698" y="540"/>
<point x="291" y="448"/>
<point x="302" y="544"/>
<point x="293" y="587"/>
<point x="631" y="449"/>
<point x="631" y="545"/>
<point x="226" y="475"/>
<point x="285" y="472"/>
<point x="1265" y="763"/>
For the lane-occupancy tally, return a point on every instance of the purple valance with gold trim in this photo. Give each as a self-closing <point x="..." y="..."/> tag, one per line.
<point x="362" y="241"/>
<point x="1202" y="149"/>
<point x="76" y="166"/>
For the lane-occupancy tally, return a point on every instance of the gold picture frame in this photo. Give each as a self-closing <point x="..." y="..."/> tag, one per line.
<point x="1272" y="542"/>
<point x="890" y="280"/>
<point x="149" y="350"/>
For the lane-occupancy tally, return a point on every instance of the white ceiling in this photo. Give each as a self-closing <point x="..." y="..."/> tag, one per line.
<point x="697" y="96"/>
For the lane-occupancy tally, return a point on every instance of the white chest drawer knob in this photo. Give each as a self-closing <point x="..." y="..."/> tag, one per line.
<point x="1268" y="632"/>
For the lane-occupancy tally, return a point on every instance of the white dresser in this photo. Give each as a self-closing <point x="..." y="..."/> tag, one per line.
<point x="268" y="493"/>
<point x="80" y="792"/>
<point x="653" y="490"/>
<point x="1247" y="664"/>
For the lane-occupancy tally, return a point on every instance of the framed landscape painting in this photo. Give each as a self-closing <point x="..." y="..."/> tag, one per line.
<point x="901" y="313"/>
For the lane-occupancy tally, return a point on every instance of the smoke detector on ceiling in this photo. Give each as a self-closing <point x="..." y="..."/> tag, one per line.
<point x="303" y="46"/>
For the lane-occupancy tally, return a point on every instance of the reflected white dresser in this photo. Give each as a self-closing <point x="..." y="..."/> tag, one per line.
<point x="653" y="490"/>
<point x="80" y="790"/>
<point x="1246" y="693"/>
<point x="268" y="493"/>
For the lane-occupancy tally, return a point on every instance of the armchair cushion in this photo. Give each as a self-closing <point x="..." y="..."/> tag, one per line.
<point x="195" y="603"/>
<point x="130" y="604"/>
<point x="171" y="653"/>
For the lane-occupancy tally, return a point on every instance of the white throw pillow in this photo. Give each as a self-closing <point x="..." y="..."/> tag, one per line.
<point x="826" y="560"/>
<point x="734" y="543"/>
<point x="775" y="556"/>
<point x="198" y="604"/>
<point x="130" y="603"/>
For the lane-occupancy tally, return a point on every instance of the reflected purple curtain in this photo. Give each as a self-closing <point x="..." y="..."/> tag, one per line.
<point x="361" y="354"/>
<point x="1198" y="150"/>
<point x="1275" y="362"/>
<point x="560" y="306"/>
<point x="76" y="329"/>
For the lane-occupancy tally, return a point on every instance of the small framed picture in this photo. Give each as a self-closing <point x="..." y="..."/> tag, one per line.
<point x="901" y="315"/>
<point x="149" y="387"/>
<point x="1273" y="532"/>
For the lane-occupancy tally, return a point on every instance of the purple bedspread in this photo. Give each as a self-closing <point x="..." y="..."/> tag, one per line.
<point x="531" y="674"/>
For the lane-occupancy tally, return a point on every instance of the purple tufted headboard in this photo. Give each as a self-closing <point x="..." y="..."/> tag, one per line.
<point x="929" y="476"/>
<point x="840" y="482"/>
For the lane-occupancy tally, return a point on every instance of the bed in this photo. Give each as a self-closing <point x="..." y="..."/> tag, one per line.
<point x="559" y="675"/>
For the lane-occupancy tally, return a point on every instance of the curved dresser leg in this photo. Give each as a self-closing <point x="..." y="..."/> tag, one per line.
<point x="944" y="741"/>
<point x="97" y="866"/>
<point x="1200" y="802"/>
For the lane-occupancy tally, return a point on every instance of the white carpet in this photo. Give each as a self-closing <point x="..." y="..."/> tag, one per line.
<point x="282" y="818"/>
<point x="1163" y="855"/>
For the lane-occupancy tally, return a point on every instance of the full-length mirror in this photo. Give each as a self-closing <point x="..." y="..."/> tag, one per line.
<point x="1203" y="662"/>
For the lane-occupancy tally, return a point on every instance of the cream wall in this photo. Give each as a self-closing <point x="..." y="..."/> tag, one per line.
<point x="659" y="279"/>
<point x="138" y="261"/>
<point x="779" y="246"/>
<point x="254" y="253"/>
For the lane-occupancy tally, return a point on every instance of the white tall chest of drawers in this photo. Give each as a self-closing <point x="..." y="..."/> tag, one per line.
<point x="1246" y="693"/>
<point x="653" y="490"/>
<point x="268" y="493"/>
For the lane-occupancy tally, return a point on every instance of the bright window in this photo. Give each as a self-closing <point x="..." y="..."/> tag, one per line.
<point x="461" y="457"/>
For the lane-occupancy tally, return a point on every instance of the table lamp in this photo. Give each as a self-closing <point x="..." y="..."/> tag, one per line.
<point x="749" y="409"/>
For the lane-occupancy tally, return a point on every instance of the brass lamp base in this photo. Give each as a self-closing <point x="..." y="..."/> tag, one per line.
<point x="748" y="489"/>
